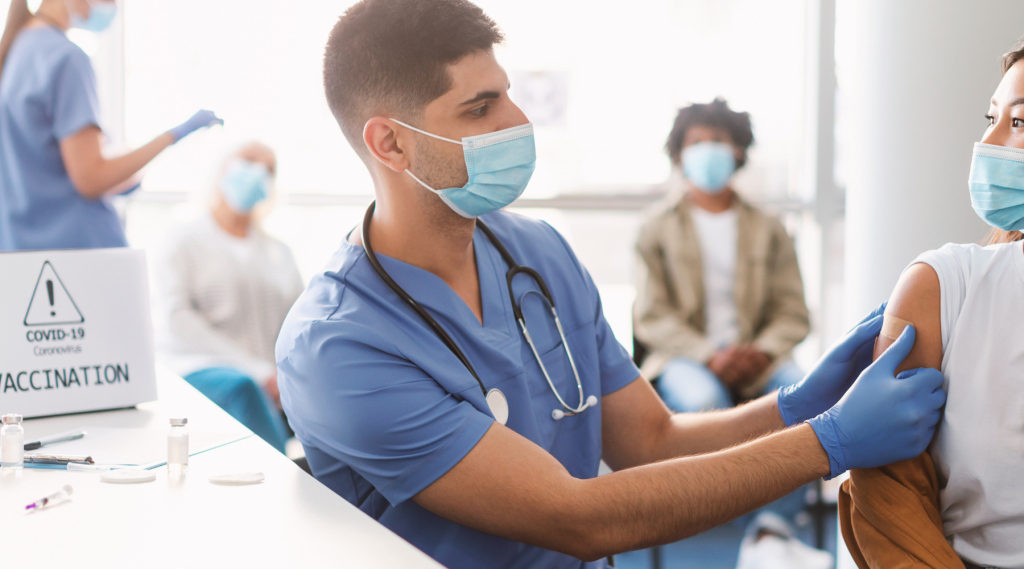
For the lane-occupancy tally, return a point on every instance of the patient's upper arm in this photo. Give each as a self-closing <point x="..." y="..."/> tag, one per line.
<point x="916" y="299"/>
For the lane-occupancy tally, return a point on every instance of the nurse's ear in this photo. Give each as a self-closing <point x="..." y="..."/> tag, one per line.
<point x="386" y="143"/>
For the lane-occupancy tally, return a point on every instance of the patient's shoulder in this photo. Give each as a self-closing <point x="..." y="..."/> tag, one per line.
<point x="916" y="299"/>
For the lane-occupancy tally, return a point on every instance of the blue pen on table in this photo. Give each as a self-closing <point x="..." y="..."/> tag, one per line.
<point x="33" y="445"/>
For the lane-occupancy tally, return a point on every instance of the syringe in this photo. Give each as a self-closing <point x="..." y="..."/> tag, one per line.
<point x="58" y="496"/>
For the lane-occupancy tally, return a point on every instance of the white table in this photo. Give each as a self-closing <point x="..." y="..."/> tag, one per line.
<point x="290" y="520"/>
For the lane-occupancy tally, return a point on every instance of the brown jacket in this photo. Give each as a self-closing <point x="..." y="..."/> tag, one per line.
<point x="890" y="518"/>
<point x="668" y="315"/>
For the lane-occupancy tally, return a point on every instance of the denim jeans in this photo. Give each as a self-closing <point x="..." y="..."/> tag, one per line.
<point x="687" y="386"/>
<point x="243" y="399"/>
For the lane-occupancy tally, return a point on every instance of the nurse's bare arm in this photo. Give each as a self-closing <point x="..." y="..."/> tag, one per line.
<point x="92" y="174"/>
<point x="916" y="299"/>
<point x="638" y="429"/>
<point x="509" y="487"/>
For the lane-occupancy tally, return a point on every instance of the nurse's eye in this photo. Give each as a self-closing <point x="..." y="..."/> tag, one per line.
<point x="1017" y="123"/>
<point x="479" y="111"/>
<point x="991" y="119"/>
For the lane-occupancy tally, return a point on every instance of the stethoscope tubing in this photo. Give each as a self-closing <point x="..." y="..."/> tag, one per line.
<point x="514" y="269"/>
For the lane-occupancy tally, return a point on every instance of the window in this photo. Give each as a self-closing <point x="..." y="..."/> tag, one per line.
<point x="604" y="84"/>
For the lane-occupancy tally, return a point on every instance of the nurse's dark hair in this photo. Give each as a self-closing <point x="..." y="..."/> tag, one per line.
<point x="715" y="114"/>
<point x="994" y="236"/>
<point x="391" y="57"/>
<point x="17" y="16"/>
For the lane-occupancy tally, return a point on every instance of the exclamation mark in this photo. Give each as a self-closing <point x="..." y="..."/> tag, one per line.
<point x="49" y="292"/>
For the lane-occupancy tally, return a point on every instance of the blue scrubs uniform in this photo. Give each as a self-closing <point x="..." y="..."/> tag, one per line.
<point x="47" y="93"/>
<point x="384" y="409"/>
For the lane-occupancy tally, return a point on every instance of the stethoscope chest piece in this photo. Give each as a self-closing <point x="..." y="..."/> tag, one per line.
<point x="498" y="405"/>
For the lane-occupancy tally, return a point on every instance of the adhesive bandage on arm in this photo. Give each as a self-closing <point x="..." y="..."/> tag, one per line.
<point x="892" y="326"/>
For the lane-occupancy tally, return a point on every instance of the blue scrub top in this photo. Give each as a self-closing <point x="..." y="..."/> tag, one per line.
<point x="47" y="93"/>
<point x="384" y="409"/>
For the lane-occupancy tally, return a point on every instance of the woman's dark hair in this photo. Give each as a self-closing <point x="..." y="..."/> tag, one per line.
<point x="998" y="235"/>
<point x="715" y="114"/>
<point x="17" y="16"/>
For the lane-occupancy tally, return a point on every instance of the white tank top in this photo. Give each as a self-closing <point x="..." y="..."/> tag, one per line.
<point x="979" y="448"/>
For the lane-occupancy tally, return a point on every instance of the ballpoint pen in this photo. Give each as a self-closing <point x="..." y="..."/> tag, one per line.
<point x="57" y="459"/>
<point x="33" y="445"/>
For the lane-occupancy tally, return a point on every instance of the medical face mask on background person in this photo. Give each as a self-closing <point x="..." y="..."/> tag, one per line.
<point x="709" y="165"/>
<point x="245" y="184"/>
<point x="101" y="15"/>
<point x="500" y="164"/>
<point x="997" y="185"/>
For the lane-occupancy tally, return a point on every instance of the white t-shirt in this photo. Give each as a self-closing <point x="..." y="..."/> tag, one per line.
<point x="979" y="448"/>
<point x="717" y="234"/>
<point x="220" y="300"/>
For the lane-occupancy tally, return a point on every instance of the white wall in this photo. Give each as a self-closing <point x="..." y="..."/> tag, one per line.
<point x="922" y="76"/>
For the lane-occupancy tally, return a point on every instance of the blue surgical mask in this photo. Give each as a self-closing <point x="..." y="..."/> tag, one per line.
<point x="709" y="165"/>
<point x="245" y="184"/>
<point x="997" y="185"/>
<point x="101" y="15"/>
<point x="499" y="164"/>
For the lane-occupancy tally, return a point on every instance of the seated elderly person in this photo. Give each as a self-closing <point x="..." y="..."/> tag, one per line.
<point x="720" y="303"/>
<point x="221" y="289"/>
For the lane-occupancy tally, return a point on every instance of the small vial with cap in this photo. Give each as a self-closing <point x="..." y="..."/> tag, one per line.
<point x="177" y="447"/>
<point x="12" y="443"/>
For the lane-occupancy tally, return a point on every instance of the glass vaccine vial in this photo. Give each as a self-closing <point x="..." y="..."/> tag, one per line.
<point x="177" y="447"/>
<point x="12" y="443"/>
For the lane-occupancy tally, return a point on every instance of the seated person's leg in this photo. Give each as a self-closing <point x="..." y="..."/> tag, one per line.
<point x="244" y="400"/>
<point x="687" y="386"/>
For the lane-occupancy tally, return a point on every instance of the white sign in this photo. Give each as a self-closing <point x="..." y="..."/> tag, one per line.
<point x="75" y="331"/>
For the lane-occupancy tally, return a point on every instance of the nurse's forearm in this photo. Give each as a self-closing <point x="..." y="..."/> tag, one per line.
<point x="638" y="429"/>
<point x="696" y="433"/>
<point x="509" y="487"/>
<point x="672" y="500"/>
<point x="92" y="174"/>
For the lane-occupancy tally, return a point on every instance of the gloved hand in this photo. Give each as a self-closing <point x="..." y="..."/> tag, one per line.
<point x="199" y="120"/>
<point x="834" y="373"/>
<point x="882" y="419"/>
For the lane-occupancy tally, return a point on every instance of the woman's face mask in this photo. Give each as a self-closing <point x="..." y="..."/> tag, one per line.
<point x="245" y="184"/>
<point x="997" y="185"/>
<point x="101" y="15"/>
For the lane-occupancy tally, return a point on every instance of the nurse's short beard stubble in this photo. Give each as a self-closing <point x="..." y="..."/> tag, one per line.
<point x="439" y="170"/>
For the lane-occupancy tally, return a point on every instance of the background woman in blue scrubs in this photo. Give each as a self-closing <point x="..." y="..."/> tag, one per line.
<point x="55" y="182"/>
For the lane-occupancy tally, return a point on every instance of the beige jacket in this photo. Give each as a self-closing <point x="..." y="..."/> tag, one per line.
<point x="668" y="315"/>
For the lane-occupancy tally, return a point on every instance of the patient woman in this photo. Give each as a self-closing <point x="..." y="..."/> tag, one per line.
<point x="967" y="304"/>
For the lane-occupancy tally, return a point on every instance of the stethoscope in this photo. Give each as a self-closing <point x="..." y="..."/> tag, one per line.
<point x="496" y="400"/>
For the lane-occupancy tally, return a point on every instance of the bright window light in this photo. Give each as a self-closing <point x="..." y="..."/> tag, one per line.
<point x="602" y="83"/>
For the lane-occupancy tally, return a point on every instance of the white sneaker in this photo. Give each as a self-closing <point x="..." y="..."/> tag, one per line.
<point x="770" y="544"/>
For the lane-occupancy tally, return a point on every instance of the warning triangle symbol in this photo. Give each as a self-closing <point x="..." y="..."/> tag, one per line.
<point x="51" y="304"/>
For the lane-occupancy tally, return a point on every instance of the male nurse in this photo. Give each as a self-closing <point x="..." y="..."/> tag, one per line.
<point x="396" y="422"/>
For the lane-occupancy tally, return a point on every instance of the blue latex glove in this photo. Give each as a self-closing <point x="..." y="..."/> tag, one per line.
<point x="199" y="120"/>
<point x="834" y="373"/>
<point x="882" y="419"/>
